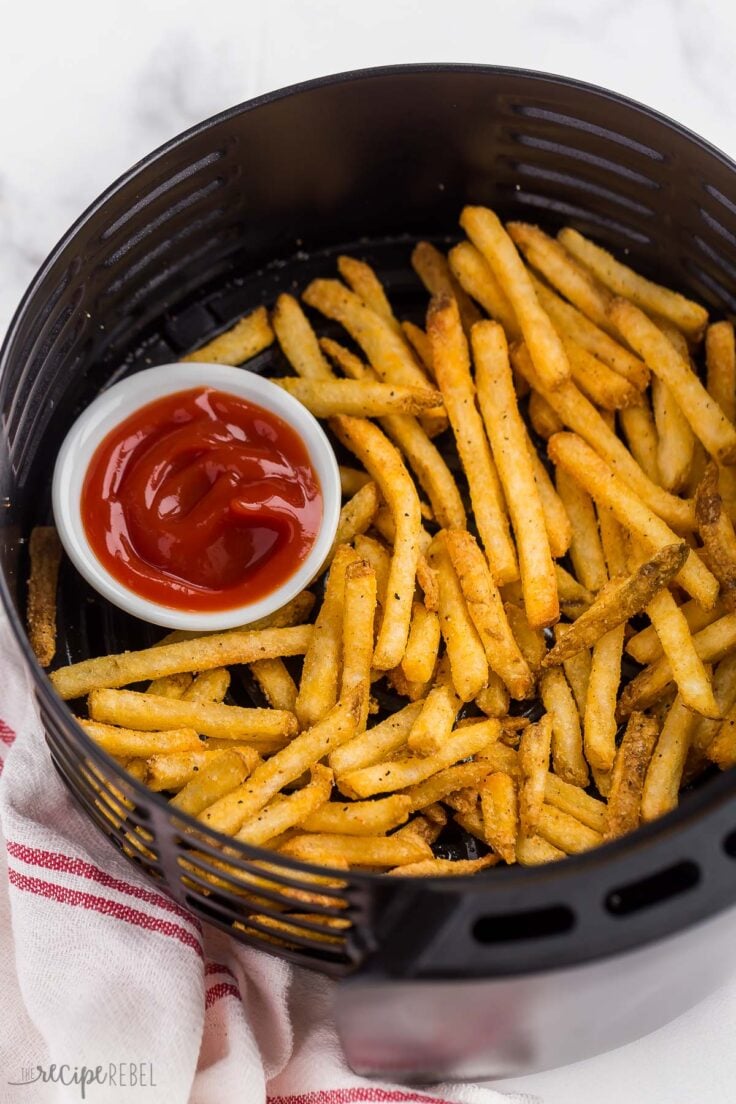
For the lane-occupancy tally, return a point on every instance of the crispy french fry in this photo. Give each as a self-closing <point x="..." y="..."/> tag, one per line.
<point x="556" y="521"/>
<point x="544" y="419"/>
<point x="283" y="813"/>
<point x="586" y="550"/>
<point x="422" y="647"/>
<point x="385" y="465"/>
<point x="567" y="736"/>
<point x="722" y="748"/>
<point x="451" y="360"/>
<point x="425" y="828"/>
<point x="723" y="679"/>
<point x="247" y="337"/>
<point x="138" y="744"/>
<point x="509" y="443"/>
<point x="574" y="597"/>
<point x="356" y="850"/>
<point x="640" y="431"/>
<point x="351" y="480"/>
<point x="675" y="438"/>
<point x="172" y="770"/>
<point x="477" y="278"/>
<point x="717" y="533"/>
<point x="486" y="610"/>
<point x="365" y="283"/>
<point x="599" y="725"/>
<point x="534" y="755"/>
<point x="323" y="657"/>
<point x="398" y="774"/>
<point x="629" y="772"/>
<point x="493" y="699"/>
<point x="433" y="270"/>
<point x="276" y="683"/>
<point x="577" y="673"/>
<point x="44" y="551"/>
<point x="614" y="547"/>
<point x="298" y="340"/>
<point x="401" y="685"/>
<point x="535" y="851"/>
<point x="720" y="359"/>
<point x="500" y="810"/>
<point x="566" y="832"/>
<point x="705" y="416"/>
<point x="212" y="686"/>
<point x="359" y="611"/>
<point x="221" y="774"/>
<point x="438" y="786"/>
<point x="645" y="647"/>
<point x="484" y="229"/>
<point x="600" y="481"/>
<point x="203" y="653"/>
<point x="360" y="818"/>
<point x="604" y="387"/>
<point x="377" y="743"/>
<point x="576" y="802"/>
<point x="294" y="612"/>
<point x="378" y="556"/>
<point x="356" y="515"/>
<point x="531" y="641"/>
<point x="619" y="601"/>
<point x="465" y="650"/>
<point x="172" y="686"/>
<point x="435" y="722"/>
<point x="444" y="868"/>
<point x="689" y="317"/>
<point x="664" y="776"/>
<point x="360" y="398"/>
<point x="421" y="345"/>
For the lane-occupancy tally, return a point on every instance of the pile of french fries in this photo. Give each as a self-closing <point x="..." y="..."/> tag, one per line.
<point x="499" y="603"/>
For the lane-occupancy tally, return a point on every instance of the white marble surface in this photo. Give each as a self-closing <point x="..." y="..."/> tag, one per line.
<point x="89" y="86"/>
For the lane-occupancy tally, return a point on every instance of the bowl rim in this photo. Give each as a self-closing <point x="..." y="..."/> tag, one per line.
<point x="610" y="853"/>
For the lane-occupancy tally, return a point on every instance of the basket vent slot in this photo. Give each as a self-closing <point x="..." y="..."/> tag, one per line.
<point x="654" y="889"/>
<point x="510" y="927"/>
<point x="729" y="844"/>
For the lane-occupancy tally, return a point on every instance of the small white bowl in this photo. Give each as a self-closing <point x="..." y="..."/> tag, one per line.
<point x="111" y="408"/>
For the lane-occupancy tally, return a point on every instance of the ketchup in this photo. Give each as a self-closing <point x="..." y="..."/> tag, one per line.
<point x="201" y="501"/>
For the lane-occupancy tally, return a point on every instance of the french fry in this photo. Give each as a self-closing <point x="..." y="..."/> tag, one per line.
<point x="717" y="533"/>
<point x="722" y="748"/>
<point x="351" y="480"/>
<point x="438" y="786"/>
<point x="723" y="679"/>
<point x="705" y="416"/>
<point x="397" y="487"/>
<point x="401" y="685"/>
<point x="172" y="686"/>
<point x="534" y="755"/>
<point x="500" y="810"/>
<point x="576" y="802"/>
<point x="465" y="650"/>
<point x="377" y="743"/>
<point x="221" y="774"/>
<point x="283" y="813"/>
<point x="298" y="340"/>
<point x="531" y="641"/>
<point x="535" y="851"/>
<point x="600" y="481"/>
<point x="356" y="515"/>
<point x="586" y="550"/>
<point x="708" y="646"/>
<point x="216" y="650"/>
<point x="276" y="683"/>
<point x="599" y="725"/>
<point x="509" y="443"/>
<point x="565" y="832"/>
<point x="398" y="774"/>
<point x="378" y="556"/>
<point x="435" y="722"/>
<point x="421" y="345"/>
<point x="500" y="757"/>
<point x="444" y="868"/>
<point x="44" y="551"/>
<point x="360" y="398"/>
<point x="136" y="744"/>
<point x="247" y="337"/>
<point x="720" y="359"/>
<point x="577" y="673"/>
<point x="452" y="366"/>
<point x="556" y="521"/>
<point x="423" y="644"/>
<point x="172" y="770"/>
<point x="212" y="686"/>
<point x="619" y="601"/>
<point x="484" y="229"/>
<point x="604" y="387"/>
<point x="664" y="776"/>
<point x="487" y="612"/>
<point x="640" y="431"/>
<point x="543" y="417"/>
<point x="356" y="850"/>
<point x="359" y="611"/>
<point x="567" y="736"/>
<point x="629" y="772"/>
<point x="477" y="278"/>
<point x="425" y="828"/>
<point x="433" y="270"/>
<point x="614" y="547"/>
<point x="583" y="418"/>
<point x="574" y="597"/>
<point x="364" y="282"/>
<point x="493" y="699"/>
<point x="359" y="818"/>
<point x="231" y="812"/>
<point x="295" y="612"/>
<point x="681" y="312"/>
<point x="645" y="647"/>
<point x="323" y="657"/>
<point x="294" y="932"/>
<point x="675" y="438"/>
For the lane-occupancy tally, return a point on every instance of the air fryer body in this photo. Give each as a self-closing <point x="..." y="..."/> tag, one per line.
<point x="517" y="969"/>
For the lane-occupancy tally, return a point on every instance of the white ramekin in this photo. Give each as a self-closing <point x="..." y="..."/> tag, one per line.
<point x="115" y="405"/>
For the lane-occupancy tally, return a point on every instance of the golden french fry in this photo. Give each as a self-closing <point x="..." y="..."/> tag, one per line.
<point x="444" y="868"/>
<point x="531" y="641"/>
<point x="717" y="533"/>
<point x="356" y="850"/>
<point x="247" y="337"/>
<point x="629" y="772"/>
<point x="323" y="657"/>
<point x="645" y="647"/>
<point x="599" y="724"/>
<point x="544" y="419"/>
<point x="535" y="851"/>
<point x="576" y="802"/>
<point x="377" y="743"/>
<point x="484" y="229"/>
<point x="351" y="480"/>
<point x="212" y="686"/>
<point x="566" y="832"/>
<point x="378" y="556"/>
<point x="202" y="653"/>
<point x="294" y="612"/>
<point x="705" y="416"/>
<point x="359" y="818"/>
<point x="675" y="438"/>
<point x="421" y="345"/>
<point x="422" y="647"/>
<point x="172" y="686"/>
<point x="401" y="685"/>
<point x="398" y="774"/>
<point x="298" y="340"/>
<point x="567" y="736"/>
<point x="172" y="770"/>
<point x="613" y="542"/>
<point x="425" y="828"/>
<point x="722" y="748"/>
<point x="723" y="679"/>
<point x="477" y="278"/>
<point x="438" y="786"/>
<point x="640" y="431"/>
<point x="493" y="699"/>
<point x="44" y="551"/>
<point x="360" y="398"/>
<point x="664" y="776"/>
<point x="137" y="744"/>
<point x="465" y="650"/>
<point x="604" y="387"/>
<point x="397" y="487"/>
<point x="556" y="521"/>
<point x="570" y="452"/>
<point x="577" y="673"/>
<point x="435" y="722"/>
<point x="689" y="317"/>
<point x="500" y="810"/>
<point x="574" y="597"/>
<point x="276" y="683"/>
<point x="221" y="774"/>
<point x="534" y="754"/>
<point x="509" y="443"/>
<point x="619" y="601"/>
<point x="284" y="812"/>
<point x="433" y="270"/>
<point x="231" y="812"/>
<point x="356" y="515"/>
<point x="364" y="282"/>
<point x="586" y="550"/>
<point x="359" y="611"/>
<point x="720" y="359"/>
<point x="451" y="360"/>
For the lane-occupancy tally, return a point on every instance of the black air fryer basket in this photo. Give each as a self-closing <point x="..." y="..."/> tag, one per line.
<point x="519" y="968"/>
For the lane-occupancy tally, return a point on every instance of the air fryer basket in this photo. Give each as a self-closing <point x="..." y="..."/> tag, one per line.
<point x="259" y="200"/>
